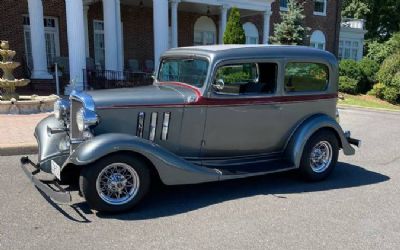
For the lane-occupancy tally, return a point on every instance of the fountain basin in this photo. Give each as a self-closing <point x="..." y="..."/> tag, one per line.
<point x="28" y="105"/>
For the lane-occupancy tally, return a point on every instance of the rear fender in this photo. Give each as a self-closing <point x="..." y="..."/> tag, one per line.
<point x="308" y="127"/>
<point x="172" y="169"/>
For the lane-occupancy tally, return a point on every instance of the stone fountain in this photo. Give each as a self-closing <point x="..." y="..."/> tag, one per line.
<point x="8" y="83"/>
<point x="10" y="101"/>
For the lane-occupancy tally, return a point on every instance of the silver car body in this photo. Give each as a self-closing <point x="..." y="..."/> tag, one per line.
<point x="210" y="137"/>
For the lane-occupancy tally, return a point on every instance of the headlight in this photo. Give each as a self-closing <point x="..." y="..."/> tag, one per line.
<point x="85" y="119"/>
<point x="61" y="109"/>
<point x="80" y="119"/>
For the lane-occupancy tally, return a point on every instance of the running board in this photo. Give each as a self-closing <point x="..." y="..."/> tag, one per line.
<point x="253" y="169"/>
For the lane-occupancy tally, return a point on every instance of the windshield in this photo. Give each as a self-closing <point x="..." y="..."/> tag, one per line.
<point x="189" y="71"/>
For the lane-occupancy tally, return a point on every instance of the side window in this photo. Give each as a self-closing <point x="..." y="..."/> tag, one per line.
<point x="246" y="79"/>
<point x="304" y="77"/>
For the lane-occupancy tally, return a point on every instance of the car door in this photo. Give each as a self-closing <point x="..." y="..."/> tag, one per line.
<point x="244" y="115"/>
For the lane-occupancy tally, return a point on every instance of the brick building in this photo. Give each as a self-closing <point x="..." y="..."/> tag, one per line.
<point x="131" y="34"/>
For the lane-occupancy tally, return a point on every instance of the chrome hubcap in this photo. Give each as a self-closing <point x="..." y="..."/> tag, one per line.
<point x="321" y="156"/>
<point x="117" y="184"/>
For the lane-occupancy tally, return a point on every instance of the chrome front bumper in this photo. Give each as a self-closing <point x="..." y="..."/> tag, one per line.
<point x="51" y="189"/>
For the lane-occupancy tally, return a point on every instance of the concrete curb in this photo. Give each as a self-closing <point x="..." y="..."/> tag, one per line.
<point x="355" y="107"/>
<point x="18" y="149"/>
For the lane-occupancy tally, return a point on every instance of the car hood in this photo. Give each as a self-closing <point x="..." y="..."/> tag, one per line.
<point x="152" y="95"/>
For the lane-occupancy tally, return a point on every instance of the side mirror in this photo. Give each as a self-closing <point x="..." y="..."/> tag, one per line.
<point x="218" y="84"/>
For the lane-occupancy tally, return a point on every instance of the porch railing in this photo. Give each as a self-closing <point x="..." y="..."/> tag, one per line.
<point x="109" y="79"/>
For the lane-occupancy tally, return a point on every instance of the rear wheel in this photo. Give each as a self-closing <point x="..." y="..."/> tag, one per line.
<point x="320" y="155"/>
<point x="115" y="183"/>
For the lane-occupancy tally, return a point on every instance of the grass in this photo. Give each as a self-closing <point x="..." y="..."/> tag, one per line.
<point x="367" y="101"/>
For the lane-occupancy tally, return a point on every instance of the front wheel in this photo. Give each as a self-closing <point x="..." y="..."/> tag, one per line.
<point x="320" y="156"/>
<point x="115" y="183"/>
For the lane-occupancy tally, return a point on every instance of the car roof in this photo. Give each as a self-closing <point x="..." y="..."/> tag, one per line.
<point x="254" y="51"/>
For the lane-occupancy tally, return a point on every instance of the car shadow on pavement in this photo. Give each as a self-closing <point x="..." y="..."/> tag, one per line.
<point x="172" y="200"/>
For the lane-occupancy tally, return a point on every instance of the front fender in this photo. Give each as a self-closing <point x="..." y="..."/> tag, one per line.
<point x="294" y="149"/>
<point x="172" y="169"/>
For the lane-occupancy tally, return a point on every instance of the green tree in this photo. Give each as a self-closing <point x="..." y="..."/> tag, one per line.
<point x="355" y="9"/>
<point x="234" y="33"/>
<point x="382" y="19"/>
<point x="291" y="30"/>
<point x="379" y="51"/>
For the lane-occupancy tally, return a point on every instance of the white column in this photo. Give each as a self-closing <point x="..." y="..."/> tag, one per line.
<point x="174" y="22"/>
<point x="119" y="37"/>
<point x="76" y="44"/>
<point x="160" y="29"/>
<point x="267" y="17"/>
<point x="38" y="41"/>
<point x="110" y="34"/>
<point x="222" y="22"/>
<point x="85" y="21"/>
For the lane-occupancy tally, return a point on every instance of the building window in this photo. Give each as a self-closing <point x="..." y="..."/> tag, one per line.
<point x="251" y="33"/>
<point x="51" y="33"/>
<point x="99" y="48"/>
<point x="318" y="40"/>
<point x="320" y="7"/>
<point x="349" y="49"/>
<point x="283" y="5"/>
<point x="306" y="77"/>
<point x="205" y="31"/>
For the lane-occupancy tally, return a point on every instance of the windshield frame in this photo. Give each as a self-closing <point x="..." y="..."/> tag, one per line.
<point x="186" y="57"/>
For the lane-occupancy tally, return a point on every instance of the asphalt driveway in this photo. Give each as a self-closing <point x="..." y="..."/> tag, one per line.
<point x="358" y="207"/>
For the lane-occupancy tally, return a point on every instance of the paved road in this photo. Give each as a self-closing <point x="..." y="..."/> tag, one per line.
<point x="357" y="208"/>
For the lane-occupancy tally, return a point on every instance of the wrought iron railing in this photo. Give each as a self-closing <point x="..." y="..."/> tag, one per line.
<point x="109" y="79"/>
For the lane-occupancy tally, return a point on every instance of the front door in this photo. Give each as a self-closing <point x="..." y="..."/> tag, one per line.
<point x="243" y="115"/>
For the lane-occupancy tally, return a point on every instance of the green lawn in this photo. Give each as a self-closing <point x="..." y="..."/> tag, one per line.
<point x="367" y="101"/>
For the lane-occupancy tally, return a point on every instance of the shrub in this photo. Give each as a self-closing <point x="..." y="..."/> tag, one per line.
<point x="378" y="52"/>
<point x="377" y="90"/>
<point x="369" y="68"/>
<point x="351" y="69"/>
<point x="348" y="85"/>
<point x="391" y="94"/>
<point x="389" y="68"/>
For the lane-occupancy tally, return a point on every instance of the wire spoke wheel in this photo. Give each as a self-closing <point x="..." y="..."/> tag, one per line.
<point x="117" y="184"/>
<point x="321" y="156"/>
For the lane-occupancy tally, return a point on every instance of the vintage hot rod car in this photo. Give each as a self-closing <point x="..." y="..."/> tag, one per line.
<point x="213" y="113"/>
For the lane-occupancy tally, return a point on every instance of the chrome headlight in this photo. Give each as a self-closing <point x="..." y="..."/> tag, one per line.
<point x="61" y="109"/>
<point x="85" y="119"/>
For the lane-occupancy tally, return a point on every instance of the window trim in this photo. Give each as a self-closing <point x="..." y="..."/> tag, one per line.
<point x="317" y="13"/>
<point x="249" y="37"/>
<point x="328" y="85"/>
<point x="283" y="8"/>
<point x="55" y="30"/>
<point x="95" y="32"/>
<point x="318" y="42"/>
<point x="212" y="94"/>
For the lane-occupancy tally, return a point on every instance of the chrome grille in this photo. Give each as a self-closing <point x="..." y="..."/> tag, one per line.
<point x="75" y="134"/>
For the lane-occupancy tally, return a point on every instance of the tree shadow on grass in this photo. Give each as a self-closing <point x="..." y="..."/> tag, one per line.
<point x="172" y="200"/>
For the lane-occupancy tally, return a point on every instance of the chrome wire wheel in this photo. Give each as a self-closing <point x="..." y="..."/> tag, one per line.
<point x="321" y="156"/>
<point x="117" y="183"/>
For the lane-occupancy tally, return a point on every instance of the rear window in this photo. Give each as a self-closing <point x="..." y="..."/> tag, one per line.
<point x="306" y="77"/>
